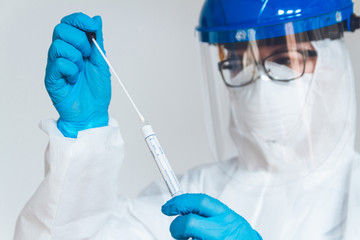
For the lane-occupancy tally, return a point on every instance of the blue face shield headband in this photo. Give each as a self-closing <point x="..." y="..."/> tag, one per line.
<point x="230" y="21"/>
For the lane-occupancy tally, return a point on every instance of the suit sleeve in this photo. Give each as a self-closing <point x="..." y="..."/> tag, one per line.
<point x="78" y="194"/>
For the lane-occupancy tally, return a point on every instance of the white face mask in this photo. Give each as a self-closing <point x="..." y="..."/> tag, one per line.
<point x="270" y="109"/>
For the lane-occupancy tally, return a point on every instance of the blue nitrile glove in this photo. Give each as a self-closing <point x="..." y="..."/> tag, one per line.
<point x="77" y="78"/>
<point x="206" y="218"/>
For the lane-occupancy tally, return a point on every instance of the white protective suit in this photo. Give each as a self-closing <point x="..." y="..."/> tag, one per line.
<point x="78" y="196"/>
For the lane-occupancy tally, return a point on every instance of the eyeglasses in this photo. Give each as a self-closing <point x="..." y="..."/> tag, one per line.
<point x="284" y="66"/>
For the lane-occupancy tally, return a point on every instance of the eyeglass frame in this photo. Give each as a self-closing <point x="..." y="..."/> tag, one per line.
<point x="306" y="53"/>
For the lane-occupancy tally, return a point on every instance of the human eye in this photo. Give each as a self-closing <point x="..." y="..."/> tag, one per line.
<point x="232" y="64"/>
<point x="286" y="58"/>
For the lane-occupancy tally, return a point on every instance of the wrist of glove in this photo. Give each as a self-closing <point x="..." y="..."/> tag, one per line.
<point x="71" y="129"/>
<point x="74" y="117"/>
<point x="203" y="217"/>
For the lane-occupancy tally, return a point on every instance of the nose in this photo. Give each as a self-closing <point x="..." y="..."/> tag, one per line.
<point x="260" y="74"/>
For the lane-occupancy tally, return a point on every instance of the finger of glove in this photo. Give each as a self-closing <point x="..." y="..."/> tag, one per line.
<point x="61" y="49"/>
<point x="191" y="225"/>
<point x="80" y="21"/>
<point x="200" y="204"/>
<point x="95" y="57"/>
<point x="74" y="37"/>
<point x="59" y="73"/>
<point x="197" y="227"/>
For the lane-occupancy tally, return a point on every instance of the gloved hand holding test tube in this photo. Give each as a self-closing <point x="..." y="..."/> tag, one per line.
<point x="149" y="135"/>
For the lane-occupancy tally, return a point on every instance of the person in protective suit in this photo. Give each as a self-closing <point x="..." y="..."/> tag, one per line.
<point x="281" y="116"/>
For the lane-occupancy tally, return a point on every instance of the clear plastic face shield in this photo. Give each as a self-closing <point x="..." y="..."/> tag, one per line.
<point x="280" y="105"/>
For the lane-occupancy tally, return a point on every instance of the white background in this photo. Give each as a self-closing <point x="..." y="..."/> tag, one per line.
<point x="153" y="47"/>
